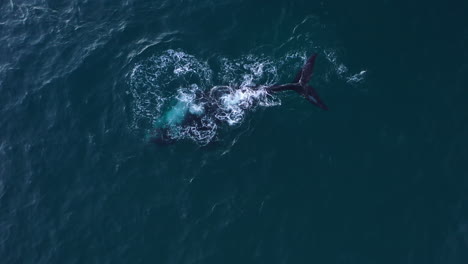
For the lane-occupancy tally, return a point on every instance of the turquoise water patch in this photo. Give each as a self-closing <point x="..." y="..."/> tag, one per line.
<point x="174" y="116"/>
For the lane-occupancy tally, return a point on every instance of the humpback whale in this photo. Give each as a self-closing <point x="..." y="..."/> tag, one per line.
<point x="207" y="103"/>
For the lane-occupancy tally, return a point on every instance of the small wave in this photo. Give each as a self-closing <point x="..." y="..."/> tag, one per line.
<point x="342" y="70"/>
<point x="356" y="78"/>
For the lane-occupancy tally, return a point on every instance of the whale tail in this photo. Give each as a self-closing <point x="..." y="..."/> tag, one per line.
<point x="303" y="77"/>
<point x="300" y="84"/>
<point x="312" y="96"/>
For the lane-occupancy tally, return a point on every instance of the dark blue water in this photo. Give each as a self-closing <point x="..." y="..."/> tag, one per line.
<point x="379" y="178"/>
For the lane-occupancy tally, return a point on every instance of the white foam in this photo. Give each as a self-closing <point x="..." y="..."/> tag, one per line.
<point x="233" y="105"/>
<point x="152" y="84"/>
<point x="248" y="71"/>
<point x="356" y="78"/>
<point x="197" y="109"/>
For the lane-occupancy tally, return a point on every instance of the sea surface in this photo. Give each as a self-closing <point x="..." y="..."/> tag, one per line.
<point x="379" y="178"/>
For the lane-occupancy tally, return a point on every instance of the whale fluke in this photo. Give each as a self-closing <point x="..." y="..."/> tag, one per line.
<point x="300" y="84"/>
<point x="304" y="75"/>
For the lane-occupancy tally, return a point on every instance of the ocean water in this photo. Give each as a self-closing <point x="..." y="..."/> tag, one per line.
<point x="379" y="178"/>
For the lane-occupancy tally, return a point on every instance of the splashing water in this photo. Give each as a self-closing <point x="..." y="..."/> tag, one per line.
<point x="155" y="107"/>
<point x="234" y="104"/>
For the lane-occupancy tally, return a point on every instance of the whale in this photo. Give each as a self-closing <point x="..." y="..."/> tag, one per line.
<point x="207" y="102"/>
